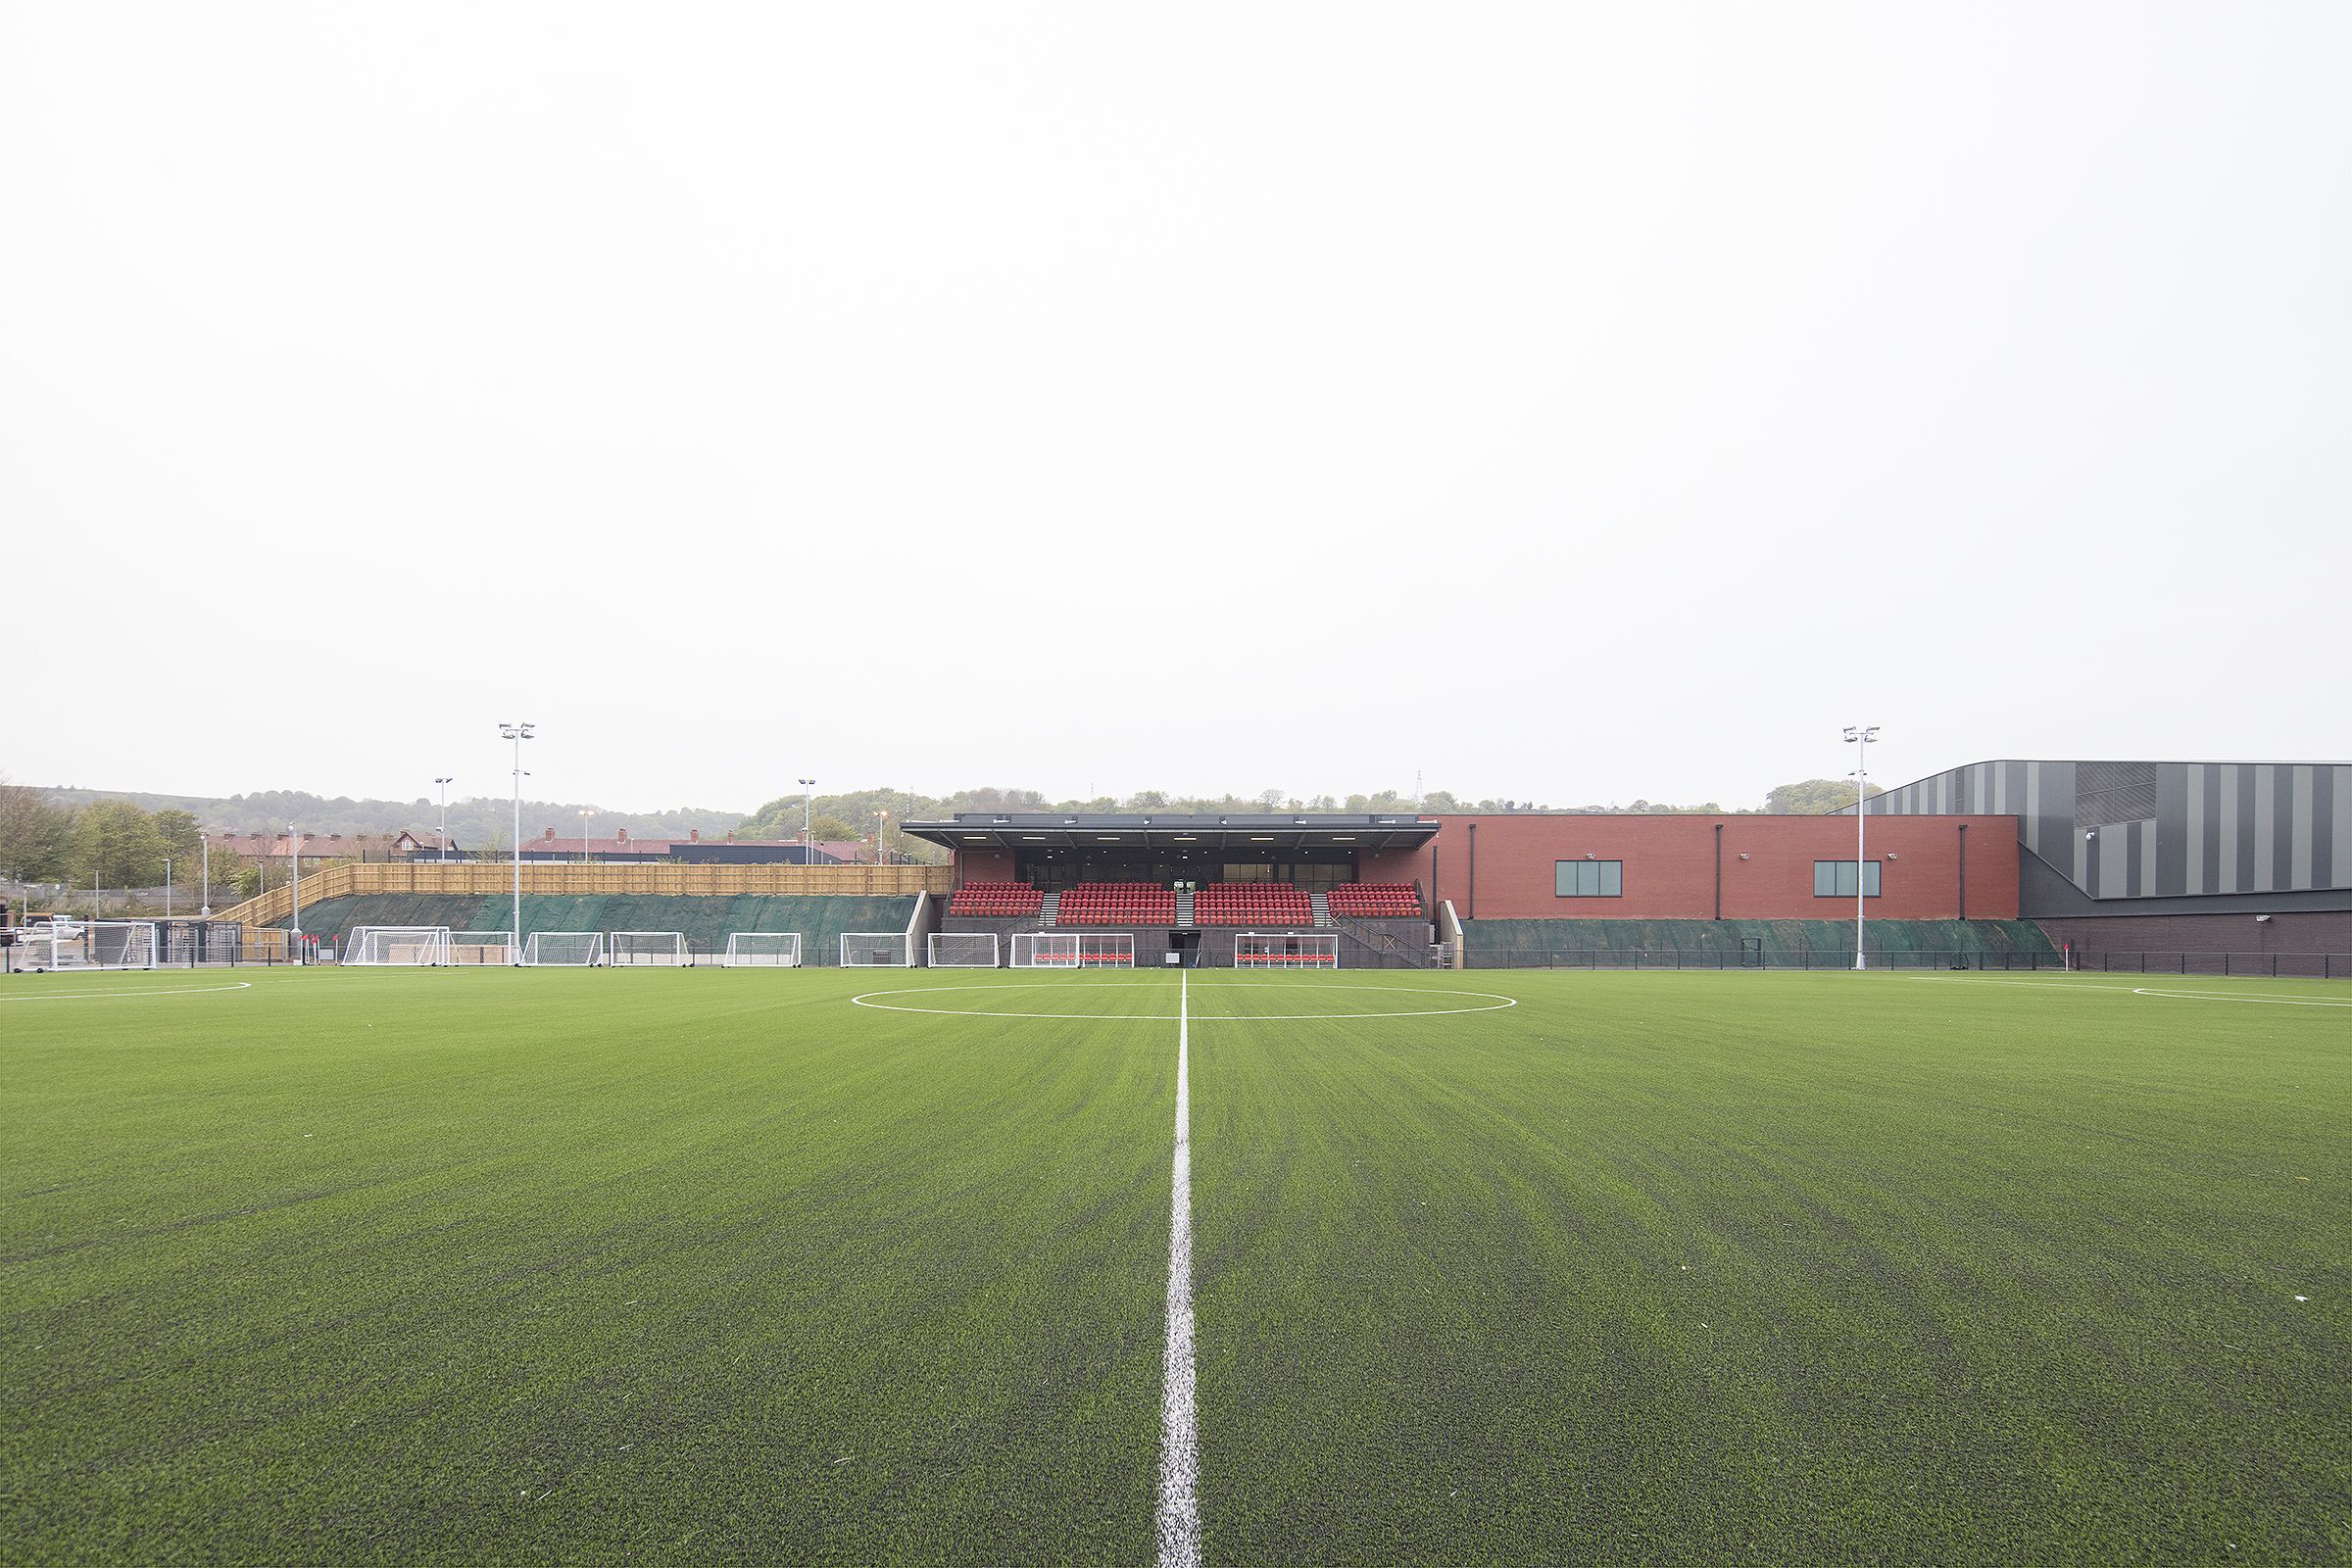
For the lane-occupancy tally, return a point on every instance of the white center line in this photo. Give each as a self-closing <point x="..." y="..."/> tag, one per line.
<point x="1179" y="1419"/>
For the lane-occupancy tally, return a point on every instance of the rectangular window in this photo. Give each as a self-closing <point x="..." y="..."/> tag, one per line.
<point x="1835" y="879"/>
<point x="1589" y="879"/>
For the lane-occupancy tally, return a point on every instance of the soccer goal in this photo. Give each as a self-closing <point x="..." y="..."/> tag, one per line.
<point x="123" y="944"/>
<point x="640" y="949"/>
<point x="569" y="948"/>
<point x="397" y="944"/>
<point x="1073" y="950"/>
<point x="481" y="947"/>
<point x="762" y="950"/>
<point x="877" y="950"/>
<point x="1287" y="949"/>
<point x="963" y="950"/>
<point x="89" y="945"/>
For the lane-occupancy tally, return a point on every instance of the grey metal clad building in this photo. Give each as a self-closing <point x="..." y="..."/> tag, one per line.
<point x="2199" y="842"/>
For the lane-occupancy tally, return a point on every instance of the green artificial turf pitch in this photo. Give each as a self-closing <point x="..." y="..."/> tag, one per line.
<point x="709" y="1266"/>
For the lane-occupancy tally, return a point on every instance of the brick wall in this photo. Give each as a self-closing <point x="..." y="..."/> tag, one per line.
<point x="983" y="865"/>
<point x="2290" y="931"/>
<point x="1670" y="866"/>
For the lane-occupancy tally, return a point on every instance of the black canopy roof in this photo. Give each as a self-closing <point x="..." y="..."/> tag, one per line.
<point x="1280" y="830"/>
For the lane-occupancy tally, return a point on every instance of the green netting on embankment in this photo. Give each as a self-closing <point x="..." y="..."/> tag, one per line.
<point x="706" y="921"/>
<point x="1773" y="943"/>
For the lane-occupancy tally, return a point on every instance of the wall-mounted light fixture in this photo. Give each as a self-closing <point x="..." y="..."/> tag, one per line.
<point x="1744" y="856"/>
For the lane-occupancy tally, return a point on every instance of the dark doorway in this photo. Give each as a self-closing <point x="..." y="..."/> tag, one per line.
<point x="1186" y="945"/>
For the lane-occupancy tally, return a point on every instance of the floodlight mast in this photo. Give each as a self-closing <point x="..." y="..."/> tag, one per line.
<point x="1860" y="735"/>
<point x="441" y="851"/>
<point x="517" y="733"/>
<point x="806" y="785"/>
<point x="294" y="858"/>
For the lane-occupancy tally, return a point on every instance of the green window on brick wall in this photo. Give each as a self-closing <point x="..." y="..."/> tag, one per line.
<point x="1835" y="879"/>
<point x="1589" y="879"/>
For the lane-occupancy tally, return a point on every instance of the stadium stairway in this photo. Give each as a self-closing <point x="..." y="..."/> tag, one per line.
<point x="1322" y="908"/>
<point x="1048" y="909"/>
<point x="1184" y="907"/>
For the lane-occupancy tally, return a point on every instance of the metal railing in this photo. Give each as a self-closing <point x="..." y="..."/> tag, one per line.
<point x="1803" y="959"/>
<point x="2266" y="965"/>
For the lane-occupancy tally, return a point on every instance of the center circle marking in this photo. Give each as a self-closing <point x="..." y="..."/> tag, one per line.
<point x="1489" y="1001"/>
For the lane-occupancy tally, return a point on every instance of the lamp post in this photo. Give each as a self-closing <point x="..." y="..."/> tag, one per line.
<point x="806" y="785"/>
<point x="586" y="816"/>
<point x="881" y="819"/>
<point x="1860" y="735"/>
<point x="167" y="887"/>
<point x="205" y="841"/>
<point x="294" y="853"/>
<point x="517" y="733"/>
<point x="442" y="851"/>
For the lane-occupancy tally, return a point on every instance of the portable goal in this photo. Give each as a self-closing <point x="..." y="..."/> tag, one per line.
<point x="578" y="950"/>
<point x="642" y="950"/>
<point x="89" y="945"/>
<point x="481" y="947"/>
<point x="762" y="950"/>
<point x="963" y="950"/>
<point x="1287" y="949"/>
<point x="1073" y="950"/>
<point x="877" y="950"/>
<point x="410" y="945"/>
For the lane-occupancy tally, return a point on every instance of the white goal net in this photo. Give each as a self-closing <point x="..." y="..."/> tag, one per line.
<point x="762" y="950"/>
<point x="1287" y="949"/>
<point x="397" y="944"/>
<point x="568" y="948"/>
<point x="963" y="950"/>
<point x="639" y="950"/>
<point x="481" y="947"/>
<point x="876" y="950"/>
<point x="1073" y="950"/>
<point x="87" y="945"/>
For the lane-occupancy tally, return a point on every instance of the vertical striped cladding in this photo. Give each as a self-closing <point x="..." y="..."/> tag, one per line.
<point x="2123" y="830"/>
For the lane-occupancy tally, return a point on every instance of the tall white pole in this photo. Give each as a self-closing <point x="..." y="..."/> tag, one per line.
<point x="517" y="733"/>
<point x="205" y="910"/>
<point x="442" y="854"/>
<point x="1861" y="735"/>
<point x="807" y="786"/>
<point x="167" y="887"/>
<point x="294" y="851"/>
<point x="1861" y="855"/>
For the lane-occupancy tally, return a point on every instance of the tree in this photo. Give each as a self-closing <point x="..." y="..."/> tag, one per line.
<point x="116" y="844"/>
<point x="828" y="829"/>
<point x="184" y="840"/>
<point x="35" y="836"/>
<point x="1813" y="797"/>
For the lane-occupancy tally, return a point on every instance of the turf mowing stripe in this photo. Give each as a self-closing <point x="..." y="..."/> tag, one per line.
<point x="1180" y="1429"/>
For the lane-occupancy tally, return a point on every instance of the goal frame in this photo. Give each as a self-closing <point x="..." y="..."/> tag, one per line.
<point x="468" y="955"/>
<point x="738" y="957"/>
<point x="1311" y="951"/>
<point x="932" y="950"/>
<point x="1073" y="950"/>
<point x="876" y="940"/>
<point x="82" y="943"/>
<point x="596" y="952"/>
<point x="677" y="956"/>
<point x="428" y="944"/>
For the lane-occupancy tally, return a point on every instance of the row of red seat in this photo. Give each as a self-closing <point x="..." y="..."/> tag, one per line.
<point x="1376" y="901"/>
<point x="1117" y="904"/>
<point x="997" y="899"/>
<point x="1252" y="904"/>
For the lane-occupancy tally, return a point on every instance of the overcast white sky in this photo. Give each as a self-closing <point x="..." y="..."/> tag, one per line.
<point x="1573" y="403"/>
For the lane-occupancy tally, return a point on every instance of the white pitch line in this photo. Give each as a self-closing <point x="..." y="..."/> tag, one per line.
<point x="1179" y="1416"/>
<point x="175" y="991"/>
